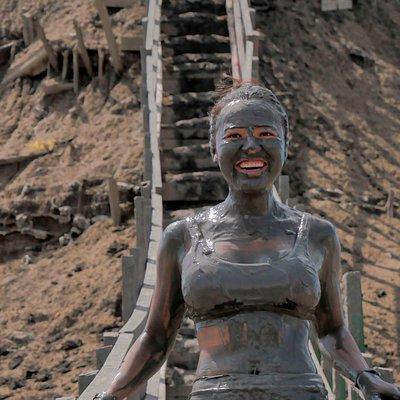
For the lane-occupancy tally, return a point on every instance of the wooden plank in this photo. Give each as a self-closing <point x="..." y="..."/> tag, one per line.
<point x="132" y="278"/>
<point x="100" y="71"/>
<point x="85" y="379"/>
<point x="353" y="306"/>
<point x="107" y="373"/>
<point x="390" y="204"/>
<point x="113" y="197"/>
<point x="344" y="4"/>
<point x="232" y="40"/>
<point x="101" y="355"/>
<point x="75" y="68"/>
<point x="52" y="86"/>
<point x="119" y="3"/>
<point x="246" y="18"/>
<point x="239" y="34"/>
<point x="64" y="70"/>
<point x="27" y="29"/>
<point x="112" y="43"/>
<point x="329" y="5"/>
<point x="131" y="43"/>
<point x="49" y="50"/>
<point x="82" y="49"/>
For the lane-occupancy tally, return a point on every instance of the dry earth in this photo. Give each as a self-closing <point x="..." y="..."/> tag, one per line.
<point x="340" y="79"/>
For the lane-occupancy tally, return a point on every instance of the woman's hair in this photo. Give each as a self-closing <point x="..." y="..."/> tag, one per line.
<point x="238" y="90"/>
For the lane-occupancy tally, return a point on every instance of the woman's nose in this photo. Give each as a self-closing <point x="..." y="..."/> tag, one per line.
<point x="251" y="145"/>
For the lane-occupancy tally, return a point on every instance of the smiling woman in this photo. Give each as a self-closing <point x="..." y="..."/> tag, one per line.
<point x="254" y="275"/>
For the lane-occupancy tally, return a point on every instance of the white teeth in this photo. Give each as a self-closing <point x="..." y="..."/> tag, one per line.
<point x="251" y="164"/>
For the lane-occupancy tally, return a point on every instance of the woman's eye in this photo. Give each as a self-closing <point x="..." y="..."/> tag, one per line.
<point x="267" y="134"/>
<point x="233" y="136"/>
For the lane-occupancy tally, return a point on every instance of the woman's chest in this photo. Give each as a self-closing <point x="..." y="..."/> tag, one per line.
<point x="208" y="282"/>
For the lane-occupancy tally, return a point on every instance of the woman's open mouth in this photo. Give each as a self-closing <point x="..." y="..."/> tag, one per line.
<point x="251" y="166"/>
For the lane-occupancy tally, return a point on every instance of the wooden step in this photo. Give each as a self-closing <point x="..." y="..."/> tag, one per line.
<point x="215" y="58"/>
<point x="171" y="7"/>
<point x="187" y="105"/>
<point x="188" y="158"/>
<point x="194" y="128"/>
<point x="191" y="23"/>
<point x="173" y="46"/>
<point x="195" y="186"/>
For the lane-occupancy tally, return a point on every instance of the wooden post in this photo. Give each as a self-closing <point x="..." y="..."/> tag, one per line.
<point x="75" y="67"/>
<point x="100" y="73"/>
<point x="64" y="70"/>
<point x="353" y="306"/>
<point x="339" y="386"/>
<point x="82" y="49"/>
<point x="390" y="204"/>
<point x="112" y="43"/>
<point x="49" y="50"/>
<point x="113" y="196"/>
<point x="131" y="283"/>
<point x="27" y="29"/>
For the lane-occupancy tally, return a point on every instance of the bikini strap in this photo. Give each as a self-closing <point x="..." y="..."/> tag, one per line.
<point x="197" y="235"/>
<point x="303" y="232"/>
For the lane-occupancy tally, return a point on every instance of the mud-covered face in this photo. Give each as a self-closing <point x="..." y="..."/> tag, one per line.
<point x="250" y="147"/>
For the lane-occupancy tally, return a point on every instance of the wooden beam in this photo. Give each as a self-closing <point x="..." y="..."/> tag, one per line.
<point x="112" y="43"/>
<point x="75" y="67"/>
<point x="113" y="197"/>
<point x="49" y="50"/>
<point x="131" y="43"/>
<point x="64" y="70"/>
<point x="82" y="49"/>
<point x="390" y="204"/>
<point x="100" y="72"/>
<point x="27" y="29"/>
<point x="52" y="86"/>
<point x="119" y="3"/>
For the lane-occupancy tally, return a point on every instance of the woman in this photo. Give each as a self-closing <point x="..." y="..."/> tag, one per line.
<point x="253" y="273"/>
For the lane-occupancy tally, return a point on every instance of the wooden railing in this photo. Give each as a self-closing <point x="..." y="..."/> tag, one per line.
<point x="139" y="268"/>
<point x="243" y="38"/>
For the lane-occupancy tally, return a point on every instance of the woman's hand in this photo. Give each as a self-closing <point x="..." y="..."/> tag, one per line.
<point x="375" y="388"/>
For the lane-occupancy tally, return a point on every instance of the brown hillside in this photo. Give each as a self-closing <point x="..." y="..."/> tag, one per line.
<point x="339" y="76"/>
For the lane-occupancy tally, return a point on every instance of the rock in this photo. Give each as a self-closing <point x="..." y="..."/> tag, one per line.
<point x="116" y="247"/>
<point x="14" y="383"/>
<point x="27" y="190"/>
<point x="81" y="222"/>
<point x="79" y="267"/>
<point x="71" y="344"/>
<point x="361" y="57"/>
<point x="23" y="221"/>
<point x="64" y="239"/>
<point x="26" y="260"/>
<point x="98" y="218"/>
<point x="22" y="337"/>
<point x="64" y="367"/>
<point x="66" y="212"/>
<point x="37" y="317"/>
<point x="381" y="293"/>
<point x="74" y="232"/>
<point x="15" y="362"/>
<point x="31" y="372"/>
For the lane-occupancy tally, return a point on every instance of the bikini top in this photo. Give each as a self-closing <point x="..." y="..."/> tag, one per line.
<point x="213" y="286"/>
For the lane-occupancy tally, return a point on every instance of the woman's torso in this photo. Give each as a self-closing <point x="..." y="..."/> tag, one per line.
<point x="251" y="319"/>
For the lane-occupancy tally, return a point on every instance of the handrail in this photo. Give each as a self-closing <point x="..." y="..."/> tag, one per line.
<point x="243" y="39"/>
<point x="152" y="104"/>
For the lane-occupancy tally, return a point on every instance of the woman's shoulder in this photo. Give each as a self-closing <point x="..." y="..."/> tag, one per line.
<point x="322" y="231"/>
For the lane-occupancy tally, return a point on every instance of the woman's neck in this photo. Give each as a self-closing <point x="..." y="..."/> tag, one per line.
<point x="251" y="203"/>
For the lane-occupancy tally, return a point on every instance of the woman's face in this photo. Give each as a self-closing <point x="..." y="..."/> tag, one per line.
<point x="250" y="147"/>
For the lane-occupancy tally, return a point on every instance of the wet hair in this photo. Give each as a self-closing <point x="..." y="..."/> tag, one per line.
<point x="238" y="90"/>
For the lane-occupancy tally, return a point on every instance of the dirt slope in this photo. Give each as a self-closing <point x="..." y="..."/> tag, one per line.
<point x="339" y="77"/>
<point x="57" y="300"/>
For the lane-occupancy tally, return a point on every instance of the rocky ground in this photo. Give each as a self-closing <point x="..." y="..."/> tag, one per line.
<point x="338" y="76"/>
<point x="60" y="253"/>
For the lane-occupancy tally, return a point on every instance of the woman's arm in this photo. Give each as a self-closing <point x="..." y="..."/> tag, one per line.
<point x="334" y="336"/>
<point x="149" y="351"/>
